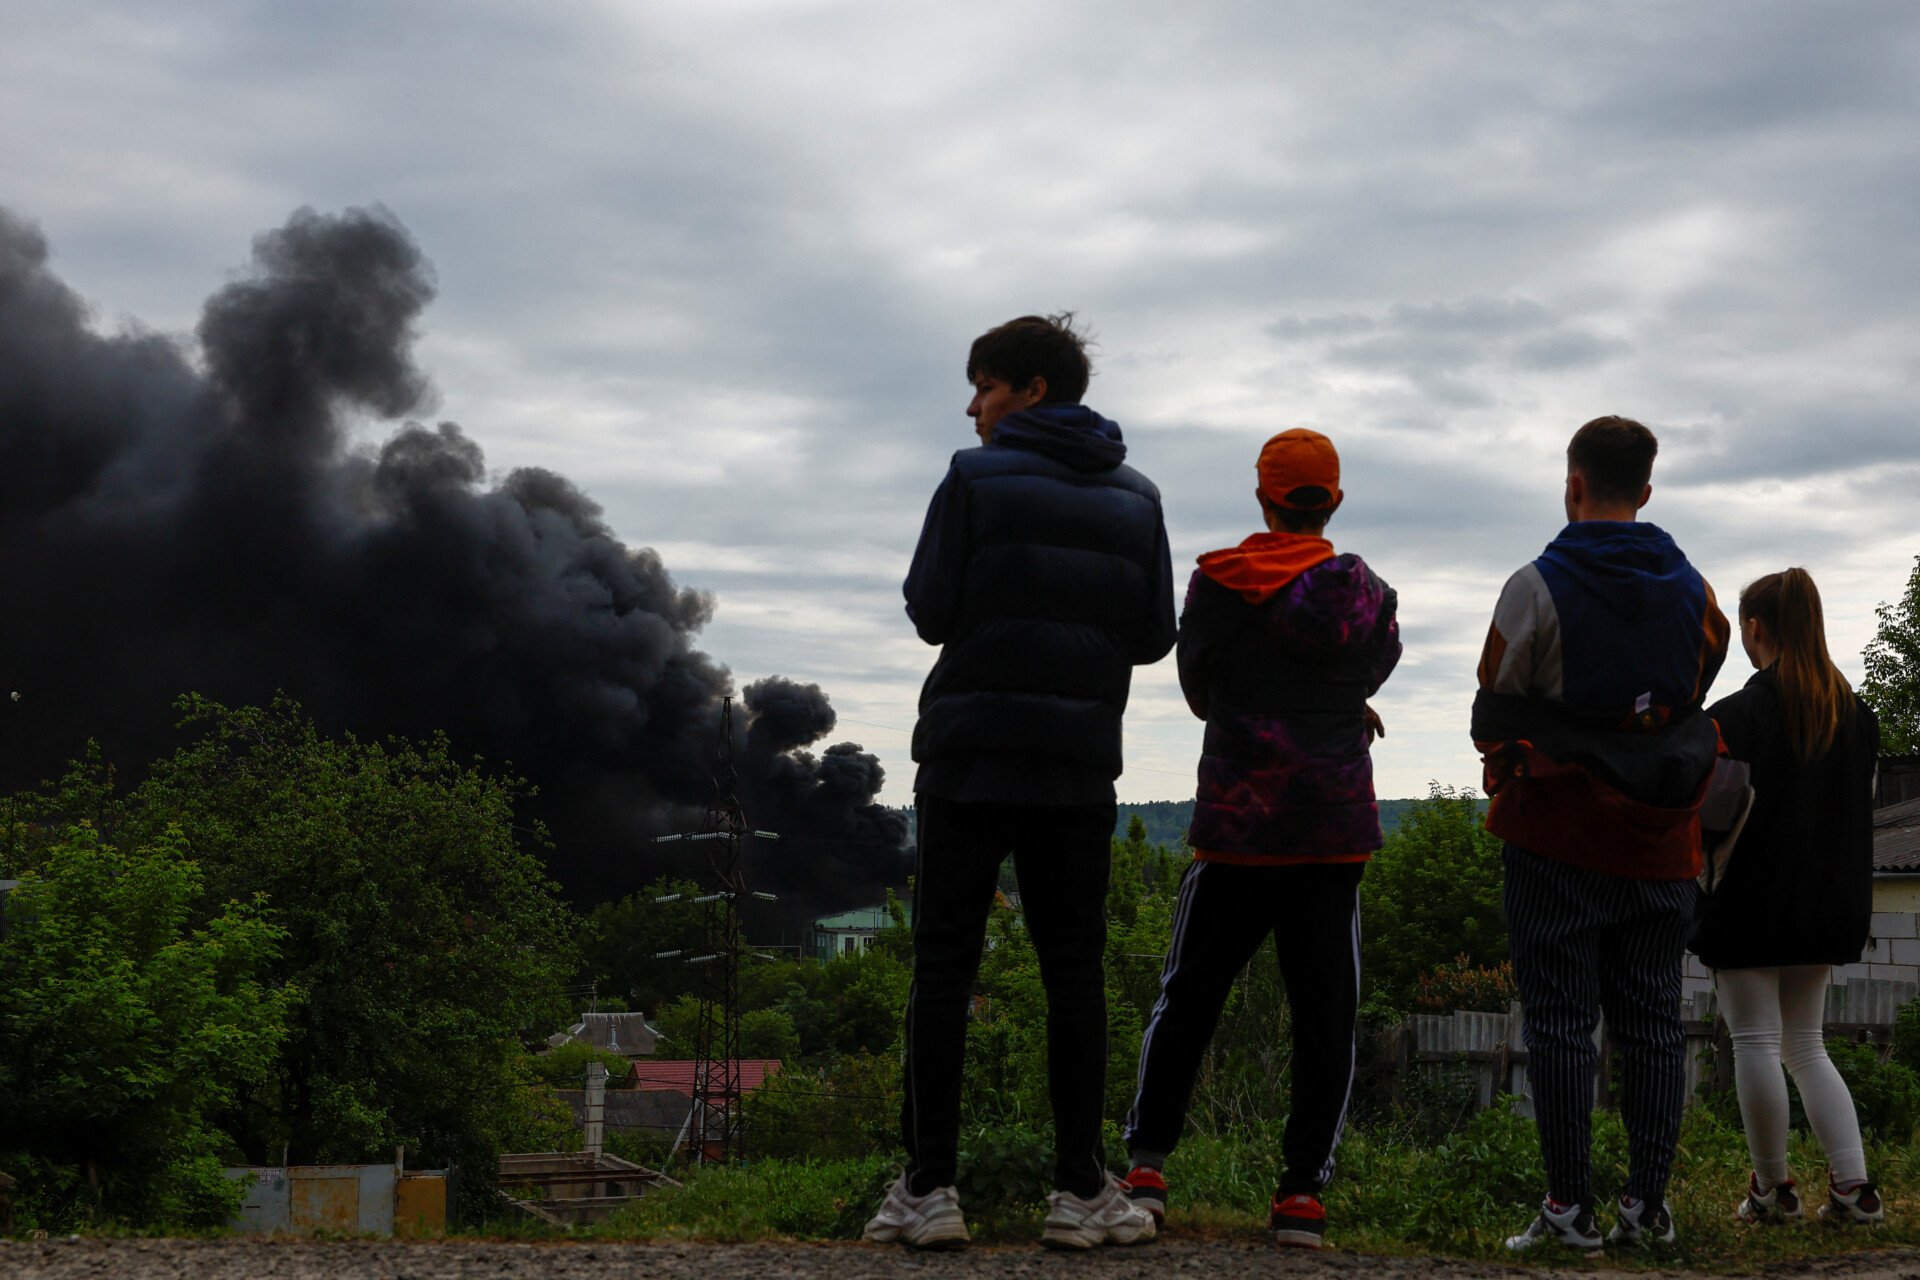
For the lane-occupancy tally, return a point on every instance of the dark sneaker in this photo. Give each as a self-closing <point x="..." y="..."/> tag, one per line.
<point x="1148" y="1189"/>
<point x="1641" y="1223"/>
<point x="931" y="1221"/>
<point x="1568" y="1225"/>
<point x="1859" y="1206"/>
<point x="1298" y="1221"/>
<point x="1777" y="1203"/>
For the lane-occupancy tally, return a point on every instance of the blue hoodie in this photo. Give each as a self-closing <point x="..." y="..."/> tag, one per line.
<point x="1588" y="717"/>
<point x="1630" y="611"/>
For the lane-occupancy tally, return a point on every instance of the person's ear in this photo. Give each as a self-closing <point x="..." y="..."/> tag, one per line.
<point x="1035" y="391"/>
<point x="1646" y="491"/>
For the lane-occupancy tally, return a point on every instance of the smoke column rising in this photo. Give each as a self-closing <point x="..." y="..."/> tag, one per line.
<point x="166" y="527"/>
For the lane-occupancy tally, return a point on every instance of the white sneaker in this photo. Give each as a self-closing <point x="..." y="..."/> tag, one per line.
<point x="1860" y="1205"/>
<point x="1642" y="1223"/>
<point x="931" y="1221"/>
<point x="1110" y="1217"/>
<point x="1560" y="1224"/>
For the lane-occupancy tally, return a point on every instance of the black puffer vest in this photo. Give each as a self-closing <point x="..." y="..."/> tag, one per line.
<point x="1044" y="572"/>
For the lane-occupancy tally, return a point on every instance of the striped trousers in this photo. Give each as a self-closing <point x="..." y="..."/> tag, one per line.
<point x="1224" y="913"/>
<point x="1583" y="943"/>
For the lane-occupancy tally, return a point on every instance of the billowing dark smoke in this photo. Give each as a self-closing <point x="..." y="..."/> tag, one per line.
<point x="164" y="529"/>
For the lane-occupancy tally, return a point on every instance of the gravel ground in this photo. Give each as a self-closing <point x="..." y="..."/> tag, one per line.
<point x="255" y="1259"/>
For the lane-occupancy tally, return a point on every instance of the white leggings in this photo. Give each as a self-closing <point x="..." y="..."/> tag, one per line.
<point x="1775" y="1017"/>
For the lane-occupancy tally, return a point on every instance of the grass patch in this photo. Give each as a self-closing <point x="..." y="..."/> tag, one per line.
<point x="766" y="1200"/>
<point x="1457" y="1197"/>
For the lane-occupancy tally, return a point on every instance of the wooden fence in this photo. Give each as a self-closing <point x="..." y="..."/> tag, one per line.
<point x="1491" y="1048"/>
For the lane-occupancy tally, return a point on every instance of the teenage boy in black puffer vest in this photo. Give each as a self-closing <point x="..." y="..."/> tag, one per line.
<point x="1281" y="644"/>
<point x="1043" y="572"/>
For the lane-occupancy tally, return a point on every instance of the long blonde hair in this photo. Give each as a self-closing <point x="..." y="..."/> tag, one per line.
<point x="1813" y="693"/>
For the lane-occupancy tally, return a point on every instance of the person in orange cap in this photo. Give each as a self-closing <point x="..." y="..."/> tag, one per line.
<point x="1281" y="643"/>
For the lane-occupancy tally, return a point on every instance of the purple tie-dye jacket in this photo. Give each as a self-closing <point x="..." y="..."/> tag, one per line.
<point x="1283" y="685"/>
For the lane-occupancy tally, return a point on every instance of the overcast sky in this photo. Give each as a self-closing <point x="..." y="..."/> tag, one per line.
<point x="720" y="263"/>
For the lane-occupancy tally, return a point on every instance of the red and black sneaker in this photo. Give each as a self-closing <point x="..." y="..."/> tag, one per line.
<point x="1299" y="1221"/>
<point x="1148" y="1189"/>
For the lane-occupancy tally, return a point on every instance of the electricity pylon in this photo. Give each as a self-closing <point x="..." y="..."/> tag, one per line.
<point x="714" y="1127"/>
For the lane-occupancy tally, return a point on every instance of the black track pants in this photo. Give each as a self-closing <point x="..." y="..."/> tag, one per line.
<point x="1224" y="913"/>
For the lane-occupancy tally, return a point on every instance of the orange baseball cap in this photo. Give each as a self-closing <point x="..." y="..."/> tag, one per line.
<point x="1299" y="459"/>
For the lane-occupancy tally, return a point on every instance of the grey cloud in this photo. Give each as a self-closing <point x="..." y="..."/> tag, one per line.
<point x="1795" y="441"/>
<point x="1451" y="352"/>
<point x="1428" y="226"/>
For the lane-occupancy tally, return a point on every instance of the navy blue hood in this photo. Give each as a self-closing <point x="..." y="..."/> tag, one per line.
<point x="1630" y="566"/>
<point x="1069" y="433"/>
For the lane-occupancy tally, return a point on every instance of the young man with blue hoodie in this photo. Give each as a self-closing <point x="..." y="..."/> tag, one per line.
<point x="1282" y="641"/>
<point x="1589" y="719"/>
<point x="1043" y="572"/>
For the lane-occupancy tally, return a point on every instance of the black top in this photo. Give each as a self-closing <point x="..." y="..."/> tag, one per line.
<point x="1799" y="889"/>
<point x="1043" y="572"/>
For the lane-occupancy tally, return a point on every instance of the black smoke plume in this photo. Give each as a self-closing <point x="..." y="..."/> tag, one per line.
<point x="167" y="526"/>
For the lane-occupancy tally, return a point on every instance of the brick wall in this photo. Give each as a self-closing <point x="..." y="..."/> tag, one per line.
<point x="1892" y="955"/>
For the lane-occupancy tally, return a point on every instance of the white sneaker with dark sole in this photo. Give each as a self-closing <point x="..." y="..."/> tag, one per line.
<point x="1778" y="1203"/>
<point x="1858" y="1206"/>
<point x="1110" y="1217"/>
<point x="1642" y="1223"/>
<point x="931" y="1221"/>
<point x="1570" y="1226"/>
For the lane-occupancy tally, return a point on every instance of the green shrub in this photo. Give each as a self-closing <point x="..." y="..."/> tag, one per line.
<point x="566" y="1066"/>
<point x="847" y="1110"/>
<point x="1906" y="1036"/>
<point x="1005" y="1164"/>
<point x="1461" y="984"/>
<point x="1885" y="1094"/>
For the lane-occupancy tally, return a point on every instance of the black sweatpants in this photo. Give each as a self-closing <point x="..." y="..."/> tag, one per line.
<point x="1063" y="856"/>
<point x="1225" y="911"/>
<point x="1584" y="942"/>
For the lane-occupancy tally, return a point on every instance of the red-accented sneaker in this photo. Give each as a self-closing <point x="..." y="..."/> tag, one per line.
<point x="1299" y="1221"/>
<point x="1148" y="1188"/>
<point x="1777" y="1203"/>
<point x="1859" y="1205"/>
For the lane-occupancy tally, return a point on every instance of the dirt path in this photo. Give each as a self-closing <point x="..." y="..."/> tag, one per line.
<point x="240" y="1259"/>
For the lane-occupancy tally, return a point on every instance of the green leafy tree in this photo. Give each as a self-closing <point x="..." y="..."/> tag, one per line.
<point x="1431" y="896"/>
<point x="1892" y="686"/>
<point x="844" y="1110"/>
<point x="129" y="1020"/>
<point x="620" y="942"/>
<point x="424" y="938"/>
<point x="769" y="1033"/>
<point x="566" y="1066"/>
<point x="859" y="999"/>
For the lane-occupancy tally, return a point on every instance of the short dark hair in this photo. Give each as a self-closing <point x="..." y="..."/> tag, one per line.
<point x="1615" y="455"/>
<point x="1299" y="519"/>
<point x="1032" y="347"/>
